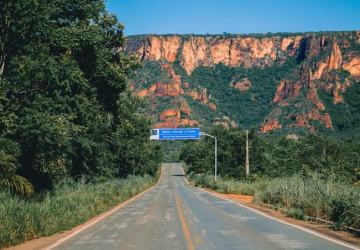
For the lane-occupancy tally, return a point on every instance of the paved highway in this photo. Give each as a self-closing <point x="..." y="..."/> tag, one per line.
<point x="174" y="215"/>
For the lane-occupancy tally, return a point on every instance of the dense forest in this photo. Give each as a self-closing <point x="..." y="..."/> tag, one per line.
<point x="65" y="108"/>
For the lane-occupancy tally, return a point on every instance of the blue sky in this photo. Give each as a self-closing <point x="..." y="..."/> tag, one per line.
<point x="235" y="16"/>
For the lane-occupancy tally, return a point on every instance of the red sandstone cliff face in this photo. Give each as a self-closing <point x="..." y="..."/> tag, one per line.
<point x="270" y="125"/>
<point x="302" y="120"/>
<point x="164" y="89"/>
<point x="212" y="106"/>
<point x="243" y="85"/>
<point x="338" y="89"/>
<point x="290" y="44"/>
<point x="321" y="77"/>
<point x="170" y="113"/>
<point x="312" y="95"/>
<point x="195" y="52"/>
<point x="178" y="117"/>
<point x="161" y="89"/>
<point x="353" y="65"/>
<point x="287" y="89"/>
<point x="334" y="61"/>
<point x="201" y="95"/>
<point x="175" y="121"/>
<point x="156" y="48"/>
<point x="312" y="75"/>
<point x="184" y="107"/>
<point x="239" y="51"/>
<point x="243" y="51"/>
<point x="174" y="88"/>
<point x="200" y="51"/>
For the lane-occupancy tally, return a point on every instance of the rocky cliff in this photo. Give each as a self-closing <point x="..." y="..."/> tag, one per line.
<point x="195" y="51"/>
<point x="274" y="82"/>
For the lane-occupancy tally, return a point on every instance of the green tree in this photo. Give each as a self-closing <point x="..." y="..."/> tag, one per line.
<point x="64" y="93"/>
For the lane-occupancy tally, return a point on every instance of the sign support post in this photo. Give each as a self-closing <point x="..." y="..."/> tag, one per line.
<point x="247" y="166"/>
<point x="215" y="171"/>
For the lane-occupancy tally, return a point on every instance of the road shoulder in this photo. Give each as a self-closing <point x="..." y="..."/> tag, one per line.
<point x="326" y="232"/>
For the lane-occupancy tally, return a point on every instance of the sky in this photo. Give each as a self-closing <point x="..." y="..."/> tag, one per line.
<point x="235" y="16"/>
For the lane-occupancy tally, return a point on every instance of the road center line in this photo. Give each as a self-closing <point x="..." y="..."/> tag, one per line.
<point x="184" y="224"/>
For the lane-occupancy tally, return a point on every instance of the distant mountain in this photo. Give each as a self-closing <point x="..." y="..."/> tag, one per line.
<point x="308" y="81"/>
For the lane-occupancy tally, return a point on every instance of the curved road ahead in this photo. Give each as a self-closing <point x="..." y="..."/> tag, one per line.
<point x="174" y="215"/>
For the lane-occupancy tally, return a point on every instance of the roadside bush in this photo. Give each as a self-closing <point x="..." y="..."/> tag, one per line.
<point x="296" y="213"/>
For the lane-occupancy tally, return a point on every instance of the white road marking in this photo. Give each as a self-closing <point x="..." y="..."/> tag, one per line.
<point x="121" y="226"/>
<point x="136" y="213"/>
<point x="226" y="232"/>
<point x="169" y="216"/>
<point x="102" y="241"/>
<point x="171" y="235"/>
<point x="283" y="242"/>
<point x="242" y="218"/>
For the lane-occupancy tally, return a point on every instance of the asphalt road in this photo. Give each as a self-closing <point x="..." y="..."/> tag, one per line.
<point x="174" y="215"/>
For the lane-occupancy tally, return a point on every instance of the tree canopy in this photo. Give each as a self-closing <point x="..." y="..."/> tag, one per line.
<point x="63" y="93"/>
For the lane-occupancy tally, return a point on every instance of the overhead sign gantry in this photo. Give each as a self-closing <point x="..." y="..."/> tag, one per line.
<point x="175" y="134"/>
<point x="163" y="134"/>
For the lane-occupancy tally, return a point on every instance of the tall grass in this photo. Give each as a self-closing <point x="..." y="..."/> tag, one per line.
<point x="68" y="205"/>
<point x="223" y="185"/>
<point x="329" y="199"/>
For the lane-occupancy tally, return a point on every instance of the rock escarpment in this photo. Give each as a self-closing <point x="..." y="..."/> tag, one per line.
<point x="197" y="51"/>
<point x="183" y="94"/>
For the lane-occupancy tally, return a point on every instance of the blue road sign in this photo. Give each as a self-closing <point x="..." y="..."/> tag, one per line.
<point x="179" y="133"/>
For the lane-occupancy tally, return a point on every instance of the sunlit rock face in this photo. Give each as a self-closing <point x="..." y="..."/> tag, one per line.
<point x="242" y="85"/>
<point x="200" y="51"/>
<point x="353" y="65"/>
<point x="270" y="125"/>
<point x="319" y="63"/>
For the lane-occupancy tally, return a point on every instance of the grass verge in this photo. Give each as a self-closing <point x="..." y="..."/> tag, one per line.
<point x="67" y="206"/>
<point x="314" y="196"/>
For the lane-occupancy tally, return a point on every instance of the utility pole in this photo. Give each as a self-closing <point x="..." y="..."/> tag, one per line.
<point x="215" y="171"/>
<point x="247" y="154"/>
